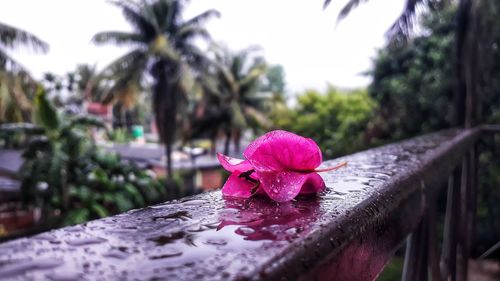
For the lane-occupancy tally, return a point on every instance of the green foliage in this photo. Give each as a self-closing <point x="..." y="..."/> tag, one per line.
<point x="336" y="120"/>
<point x="120" y="135"/>
<point x="64" y="172"/>
<point x="46" y="115"/>
<point x="413" y="83"/>
<point x="17" y="90"/>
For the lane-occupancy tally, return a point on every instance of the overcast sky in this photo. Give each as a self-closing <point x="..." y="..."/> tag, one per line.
<point x="295" y="33"/>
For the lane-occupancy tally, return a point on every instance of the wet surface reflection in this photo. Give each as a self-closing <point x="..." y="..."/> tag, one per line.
<point x="263" y="219"/>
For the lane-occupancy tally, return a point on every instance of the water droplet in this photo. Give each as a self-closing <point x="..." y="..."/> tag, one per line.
<point x="117" y="254"/>
<point x="216" y="242"/>
<point x="181" y="215"/>
<point x="169" y="253"/>
<point x="86" y="241"/>
<point x="171" y="237"/>
<point x="246" y="230"/>
<point x="291" y="231"/>
<point x="194" y="202"/>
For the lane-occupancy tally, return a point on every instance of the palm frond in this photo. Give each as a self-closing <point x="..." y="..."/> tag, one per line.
<point x="258" y="117"/>
<point x="253" y="75"/>
<point x="173" y="13"/>
<point x="13" y="37"/>
<point x="326" y="4"/>
<point x="202" y="18"/>
<point x="124" y="64"/>
<point x="139" y="22"/>
<point x="348" y="8"/>
<point x="227" y="79"/>
<point x="401" y="29"/>
<point x="148" y="11"/>
<point x="117" y="38"/>
<point x="9" y="63"/>
<point x="124" y="71"/>
<point x="196" y="58"/>
<point x="160" y="11"/>
<point x="190" y="31"/>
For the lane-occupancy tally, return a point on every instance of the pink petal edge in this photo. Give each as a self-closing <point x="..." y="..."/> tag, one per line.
<point x="233" y="164"/>
<point x="313" y="184"/>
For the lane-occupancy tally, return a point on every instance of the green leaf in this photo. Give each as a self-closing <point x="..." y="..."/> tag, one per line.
<point x="87" y="121"/>
<point x="46" y="113"/>
<point x="84" y="193"/>
<point x="136" y="195"/>
<point x="108" y="197"/>
<point x="100" y="210"/>
<point x="77" y="216"/>
<point x="123" y="203"/>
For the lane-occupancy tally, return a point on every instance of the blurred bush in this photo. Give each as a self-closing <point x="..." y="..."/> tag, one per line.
<point x="336" y="120"/>
<point x="69" y="178"/>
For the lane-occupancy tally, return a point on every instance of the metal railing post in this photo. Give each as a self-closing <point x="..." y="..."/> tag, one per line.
<point x="415" y="264"/>
<point x="451" y="229"/>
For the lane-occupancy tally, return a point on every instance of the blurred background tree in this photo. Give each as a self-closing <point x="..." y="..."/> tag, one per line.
<point x="237" y="80"/>
<point x="17" y="87"/>
<point x="164" y="46"/>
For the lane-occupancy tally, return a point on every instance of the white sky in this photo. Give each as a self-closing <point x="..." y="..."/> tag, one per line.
<point x="297" y="34"/>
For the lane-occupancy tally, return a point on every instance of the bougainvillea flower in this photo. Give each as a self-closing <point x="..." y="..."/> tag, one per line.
<point x="280" y="164"/>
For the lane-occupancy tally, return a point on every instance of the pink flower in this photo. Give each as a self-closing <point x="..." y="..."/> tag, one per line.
<point x="280" y="164"/>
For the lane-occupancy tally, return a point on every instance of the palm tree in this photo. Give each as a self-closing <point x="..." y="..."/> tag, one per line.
<point x="16" y="85"/>
<point x="164" y="48"/>
<point x="238" y="75"/>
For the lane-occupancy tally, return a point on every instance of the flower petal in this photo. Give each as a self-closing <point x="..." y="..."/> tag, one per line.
<point x="282" y="150"/>
<point x="237" y="187"/>
<point x="283" y="186"/>
<point x="313" y="184"/>
<point x="233" y="164"/>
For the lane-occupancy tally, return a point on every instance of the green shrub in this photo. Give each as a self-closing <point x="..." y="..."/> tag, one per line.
<point x="71" y="179"/>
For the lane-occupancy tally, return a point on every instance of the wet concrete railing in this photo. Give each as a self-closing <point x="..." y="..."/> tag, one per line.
<point x="348" y="232"/>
